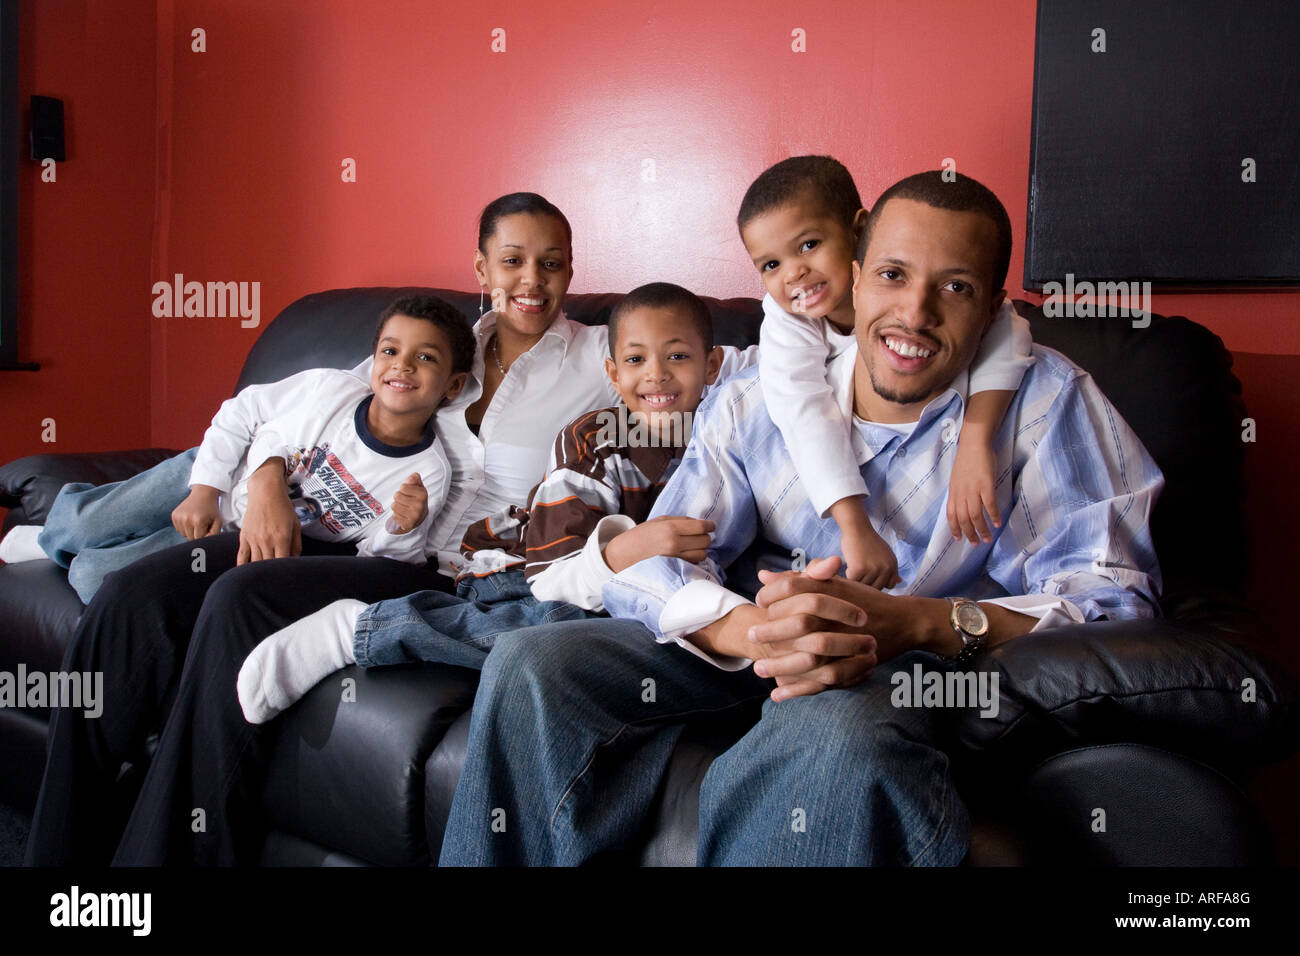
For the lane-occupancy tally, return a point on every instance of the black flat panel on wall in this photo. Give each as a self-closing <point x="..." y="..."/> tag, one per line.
<point x="1136" y="165"/>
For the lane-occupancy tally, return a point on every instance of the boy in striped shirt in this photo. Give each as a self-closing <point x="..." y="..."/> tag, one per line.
<point x="546" y="562"/>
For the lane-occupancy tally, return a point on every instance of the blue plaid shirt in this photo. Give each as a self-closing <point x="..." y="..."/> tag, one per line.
<point x="1074" y="485"/>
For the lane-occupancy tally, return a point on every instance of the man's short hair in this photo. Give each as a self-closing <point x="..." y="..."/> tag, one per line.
<point x="663" y="295"/>
<point x="962" y="194"/>
<point x="428" y="308"/>
<point x="822" y="178"/>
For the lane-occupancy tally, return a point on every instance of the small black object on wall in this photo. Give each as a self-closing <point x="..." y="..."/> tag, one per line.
<point x="47" y="128"/>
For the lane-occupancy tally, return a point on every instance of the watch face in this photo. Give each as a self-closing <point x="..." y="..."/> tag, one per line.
<point x="972" y="619"/>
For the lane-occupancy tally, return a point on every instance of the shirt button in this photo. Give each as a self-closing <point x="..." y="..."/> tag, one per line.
<point x="901" y="453"/>
<point x="642" y="607"/>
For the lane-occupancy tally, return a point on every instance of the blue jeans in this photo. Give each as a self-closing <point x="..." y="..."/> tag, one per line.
<point x="93" y="530"/>
<point x="843" y="778"/>
<point x="457" y="629"/>
<point x="569" y="743"/>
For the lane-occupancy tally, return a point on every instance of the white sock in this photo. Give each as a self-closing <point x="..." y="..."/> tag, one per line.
<point x="295" y="659"/>
<point x="20" y="544"/>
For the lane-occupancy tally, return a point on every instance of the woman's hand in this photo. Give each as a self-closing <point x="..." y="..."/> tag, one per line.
<point x="270" y="528"/>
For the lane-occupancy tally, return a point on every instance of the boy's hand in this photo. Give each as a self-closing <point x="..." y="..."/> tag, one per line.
<point x="667" y="535"/>
<point x="270" y="528"/>
<point x="867" y="559"/>
<point x="970" y="492"/>
<point x="410" y="506"/>
<point x="198" y="515"/>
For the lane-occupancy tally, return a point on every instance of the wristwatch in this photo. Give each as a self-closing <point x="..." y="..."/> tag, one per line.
<point x="972" y="626"/>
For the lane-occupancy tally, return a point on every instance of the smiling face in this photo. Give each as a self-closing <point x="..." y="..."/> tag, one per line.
<point x="660" y="365"/>
<point x="412" y="373"/>
<point x="923" y="300"/>
<point x="526" y="269"/>
<point x="805" y="258"/>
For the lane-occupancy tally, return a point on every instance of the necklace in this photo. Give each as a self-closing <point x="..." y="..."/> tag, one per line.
<point x="496" y="353"/>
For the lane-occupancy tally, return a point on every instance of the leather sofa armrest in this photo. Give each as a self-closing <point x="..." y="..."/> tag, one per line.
<point x="29" y="485"/>
<point x="346" y="764"/>
<point x="1152" y="681"/>
<point x="1156" y="809"/>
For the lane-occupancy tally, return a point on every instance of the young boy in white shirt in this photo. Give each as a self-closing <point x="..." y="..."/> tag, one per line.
<point x="347" y="445"/>
<point x="801" y="221"/>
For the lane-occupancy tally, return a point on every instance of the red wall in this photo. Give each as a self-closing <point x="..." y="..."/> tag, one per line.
<point x="84" y="239"/>
<point x="255" y="129"/>
<point x="250" y="135"/>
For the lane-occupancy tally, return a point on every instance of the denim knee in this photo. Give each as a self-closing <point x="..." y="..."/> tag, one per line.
<point x="556" y="657"/>
<point x="515" y="661"/>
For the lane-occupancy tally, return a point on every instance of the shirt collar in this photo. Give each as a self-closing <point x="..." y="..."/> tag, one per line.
<point x="562" y="328"/>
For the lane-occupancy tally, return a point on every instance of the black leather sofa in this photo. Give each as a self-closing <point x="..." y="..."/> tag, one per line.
<point x="1151" y="723"/>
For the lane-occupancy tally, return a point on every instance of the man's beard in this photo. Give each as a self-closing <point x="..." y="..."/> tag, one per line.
<point x="897" y="396"/>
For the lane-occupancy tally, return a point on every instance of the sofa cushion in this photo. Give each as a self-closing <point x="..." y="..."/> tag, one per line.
<point x="1151" y="682"/>
<point x="673" y="831"/>
<point x="331" y="329"/>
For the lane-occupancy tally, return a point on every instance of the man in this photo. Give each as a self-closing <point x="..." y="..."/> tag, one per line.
<point x="573" y="725"/>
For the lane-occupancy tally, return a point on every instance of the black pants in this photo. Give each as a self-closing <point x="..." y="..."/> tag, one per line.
<point x="137" y="632"/>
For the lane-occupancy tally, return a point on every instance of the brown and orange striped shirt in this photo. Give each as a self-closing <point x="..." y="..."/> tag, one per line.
<point x="595" y="471"/>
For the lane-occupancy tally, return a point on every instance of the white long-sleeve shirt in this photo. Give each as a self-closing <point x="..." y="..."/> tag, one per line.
<point x="793" y="357"/>
<point x="342" y="479"/>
